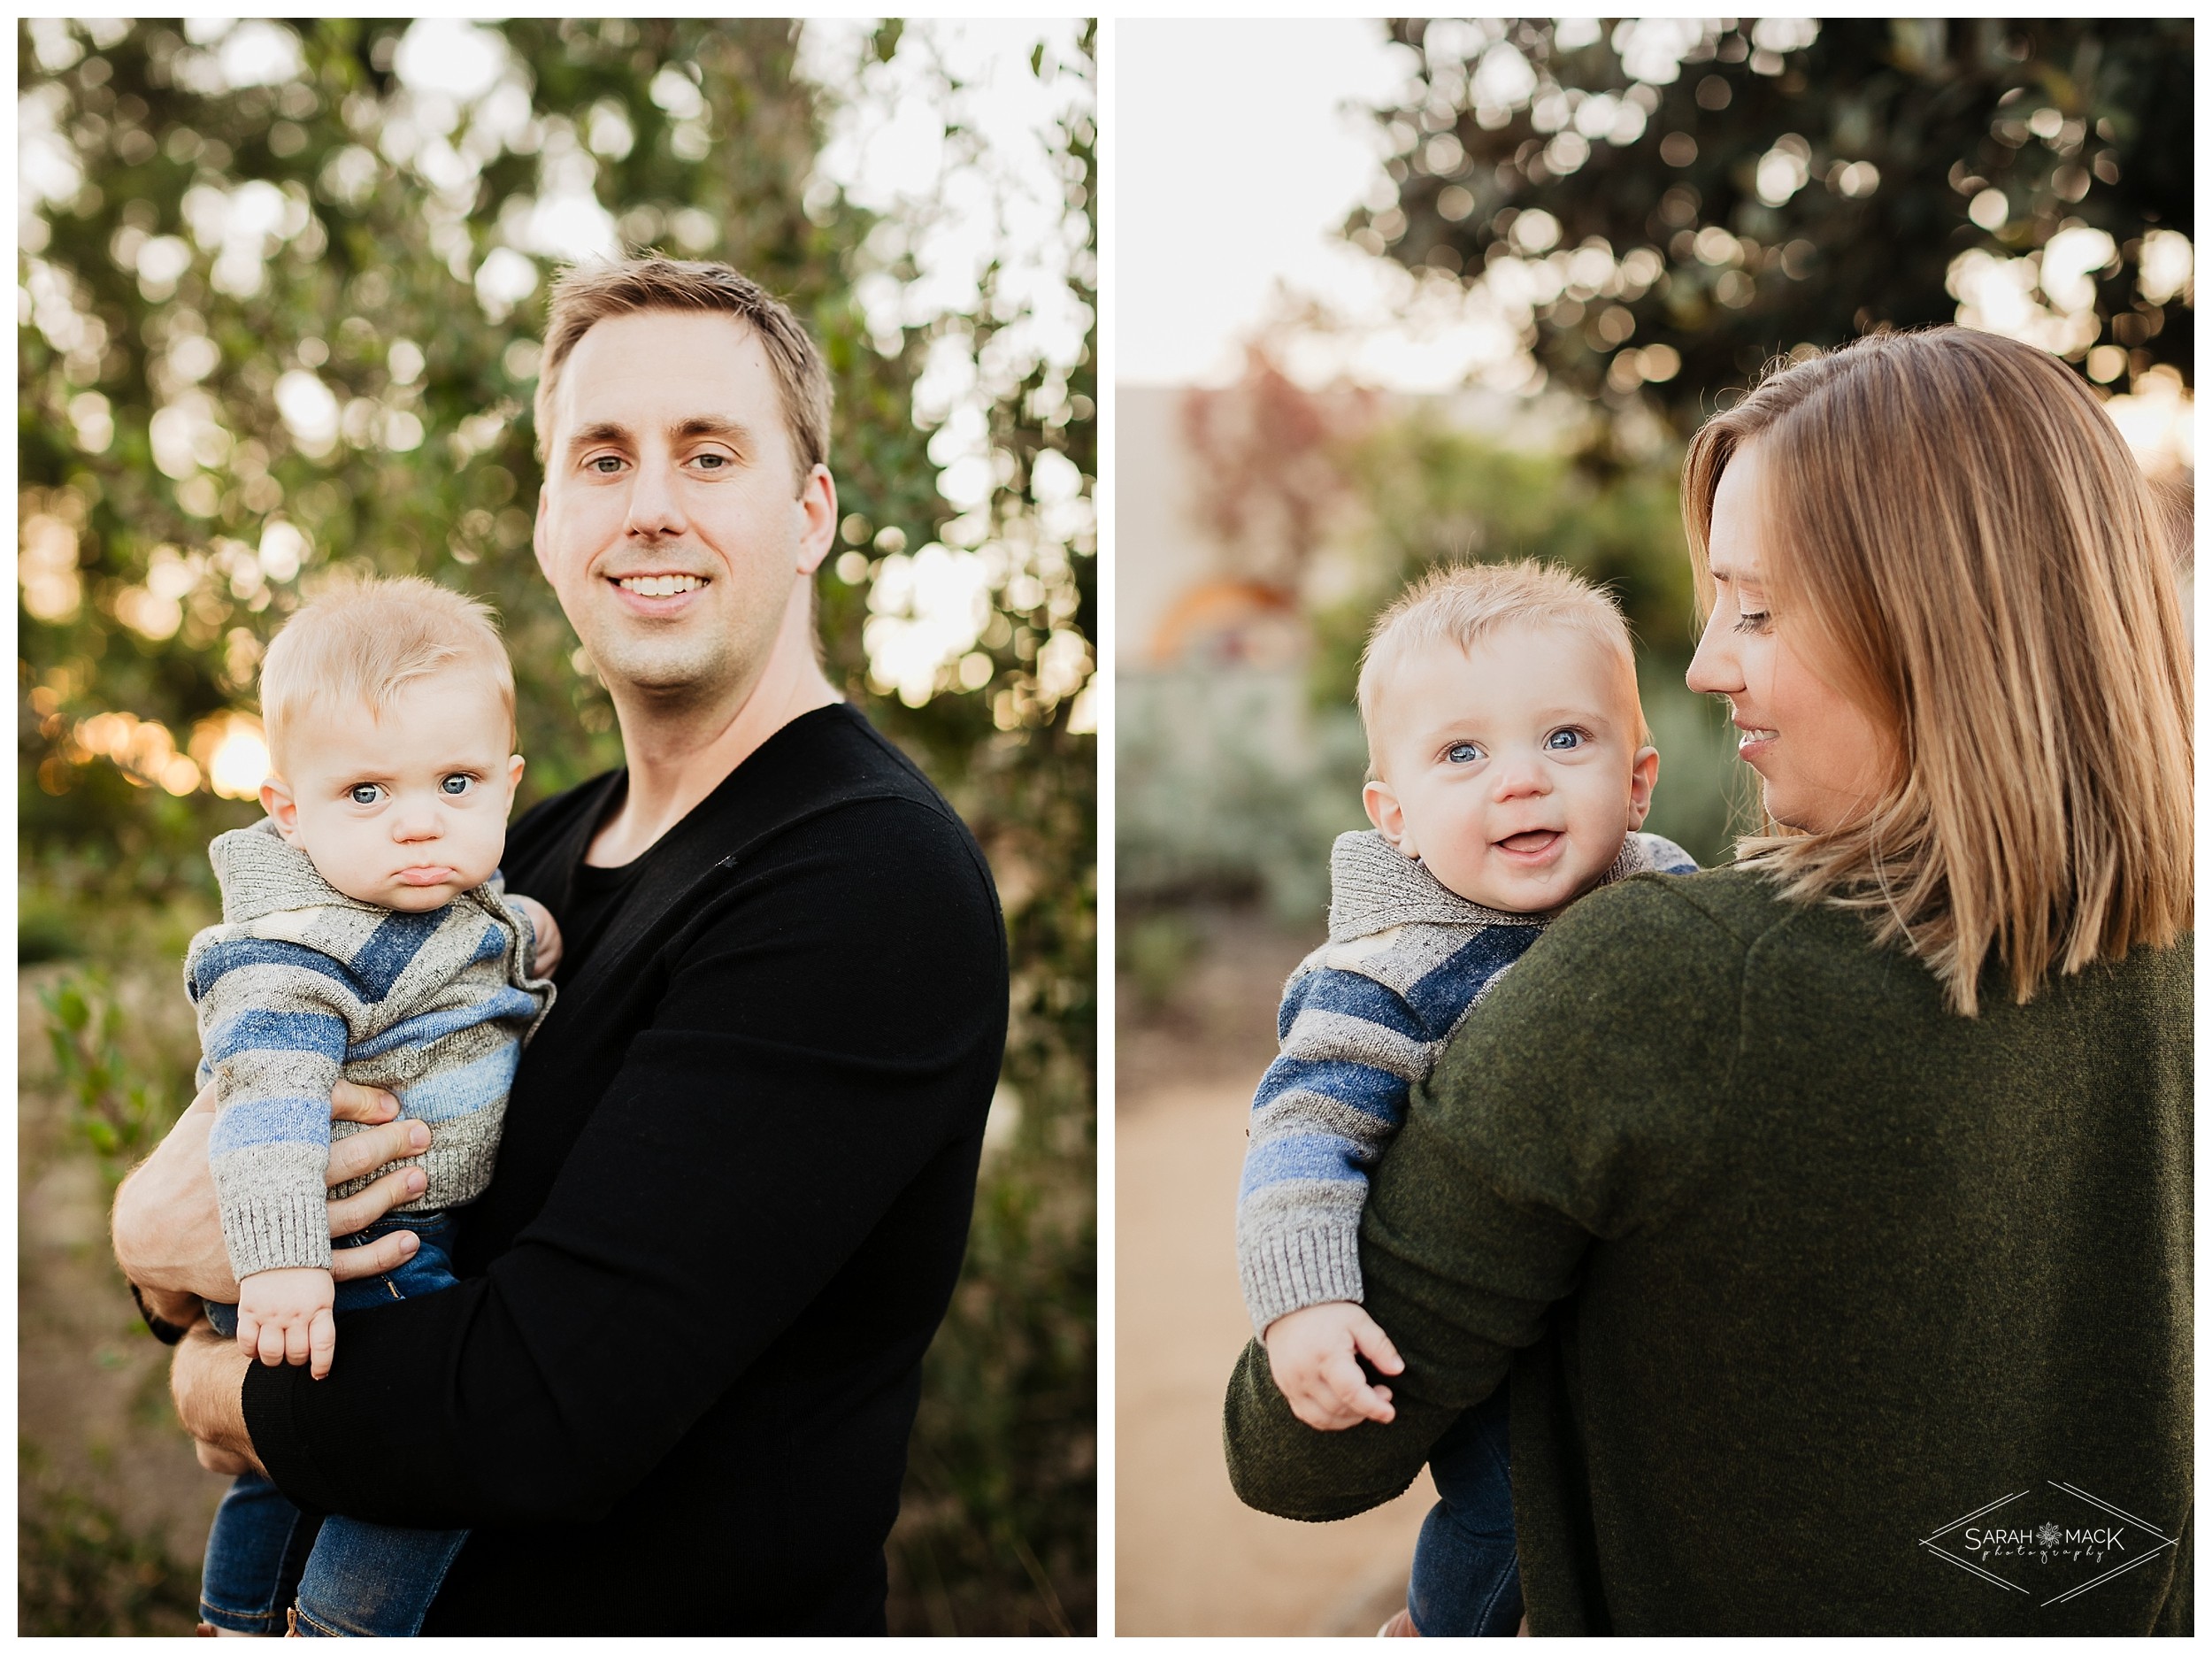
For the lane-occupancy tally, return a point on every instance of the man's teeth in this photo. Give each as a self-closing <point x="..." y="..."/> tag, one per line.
<point x="660" y="585"/>
<point x="1745" y="737"/>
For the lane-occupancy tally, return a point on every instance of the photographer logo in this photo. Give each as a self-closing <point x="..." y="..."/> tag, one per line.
<point x="2052" y="1544"/>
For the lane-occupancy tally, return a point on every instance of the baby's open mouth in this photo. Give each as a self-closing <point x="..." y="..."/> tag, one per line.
<point x="1528" y="843"/>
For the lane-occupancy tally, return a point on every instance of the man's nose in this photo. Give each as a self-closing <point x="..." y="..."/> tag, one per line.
<point x="654" y="508"/>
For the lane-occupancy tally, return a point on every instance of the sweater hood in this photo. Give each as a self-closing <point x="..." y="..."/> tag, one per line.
<point x="260" y="874"/>
<point x="1372" y="888"/>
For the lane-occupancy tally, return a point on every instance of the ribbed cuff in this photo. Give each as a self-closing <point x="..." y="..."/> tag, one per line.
<point x="286" y="1232"/>
<point x="1288" y="1270"/>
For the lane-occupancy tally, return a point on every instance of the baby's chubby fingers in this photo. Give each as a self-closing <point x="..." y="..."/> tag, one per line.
<point x="322" y="1343"/>
<point x="1353" y="1394"/>
<point x="269" y="1345"/>
<point x="1374" y="1344"/>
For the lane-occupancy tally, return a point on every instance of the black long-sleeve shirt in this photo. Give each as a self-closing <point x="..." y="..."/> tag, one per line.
<point x="673" y="1390"/>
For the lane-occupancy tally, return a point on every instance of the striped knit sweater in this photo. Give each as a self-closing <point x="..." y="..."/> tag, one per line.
<point x="1363" y="1019"/>
<point x="301" y="985"/>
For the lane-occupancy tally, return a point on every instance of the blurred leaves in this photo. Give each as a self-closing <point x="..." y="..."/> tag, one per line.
<point x="1662" y="206"/>
<point x="119" y="1109"/>
<point x="280" y="289"/>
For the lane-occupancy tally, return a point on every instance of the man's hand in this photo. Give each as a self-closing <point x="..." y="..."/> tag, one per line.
<point x="168" y="1233"/>
<point x="1314" y="1355"/>
<point x="286" y="1316"/>
<point x="545" y="958"/>
<point x="206" y="1377"/>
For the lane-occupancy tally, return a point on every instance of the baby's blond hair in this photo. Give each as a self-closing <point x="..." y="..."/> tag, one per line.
<point x="364" y="641"/>
<point x="1463" y="603"/>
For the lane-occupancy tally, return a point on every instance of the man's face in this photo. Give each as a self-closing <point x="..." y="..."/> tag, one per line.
<point x="670" y="525"/>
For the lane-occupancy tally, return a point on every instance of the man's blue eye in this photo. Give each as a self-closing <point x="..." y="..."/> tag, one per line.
<point x="605" y="465"/>
<point x="368" y="793"/>
<point x="1462" y="753"/>
<point x="455" y="784"/>
<point x="1563" y="740"/>
<point x="713" y="462"/>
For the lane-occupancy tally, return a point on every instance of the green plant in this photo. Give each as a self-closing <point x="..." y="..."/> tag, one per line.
<point x="118" y="1109"/>
<point x="84" y="1572"/>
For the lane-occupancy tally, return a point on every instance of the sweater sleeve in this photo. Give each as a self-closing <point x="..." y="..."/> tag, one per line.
<point x="1571" y="1107"/>
<point x="1351" y="1051"/>
<point x="831" y="1021"/>
<point x="274" y="1021"/>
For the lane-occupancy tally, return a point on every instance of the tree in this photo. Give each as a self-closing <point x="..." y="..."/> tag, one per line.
<point x="279" y="284"/>
<point x="1666" y="205"/>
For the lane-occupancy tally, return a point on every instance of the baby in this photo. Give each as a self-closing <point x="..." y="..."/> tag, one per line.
<point x="1509" y="768"/>
<point x="366" y="935"/>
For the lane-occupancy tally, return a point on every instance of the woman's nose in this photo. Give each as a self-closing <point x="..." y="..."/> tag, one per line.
<point x="1713" y="669"/>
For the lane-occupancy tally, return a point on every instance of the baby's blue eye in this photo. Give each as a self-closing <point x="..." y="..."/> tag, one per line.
<point x="1462" y="753"/>
<point x="366" y="793"/>
<point x="455" y="785"/>
<point x="1563" y="741"/>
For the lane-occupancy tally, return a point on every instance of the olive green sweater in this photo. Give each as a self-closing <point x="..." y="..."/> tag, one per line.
<point x="1793" y="1270"/>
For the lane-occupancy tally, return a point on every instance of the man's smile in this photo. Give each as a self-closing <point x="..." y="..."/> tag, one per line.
<point x="660" y="585"/>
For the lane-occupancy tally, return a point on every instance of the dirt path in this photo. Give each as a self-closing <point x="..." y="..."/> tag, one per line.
<point x="1188" y="1557"/>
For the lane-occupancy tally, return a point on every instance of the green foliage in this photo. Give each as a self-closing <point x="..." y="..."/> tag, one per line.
<point x="1434" y="492"/>
<point x="178" y="495"/>
<point x="85" y="1572"/>
<point x="1883" y="134"/>
<point x="117" y="1108"/>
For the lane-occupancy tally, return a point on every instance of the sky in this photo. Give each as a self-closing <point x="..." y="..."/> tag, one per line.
<point x="1238" y="163"/>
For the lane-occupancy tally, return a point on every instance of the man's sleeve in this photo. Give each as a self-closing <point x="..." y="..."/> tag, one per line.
<point x="1570" y="1108"/>
<point x="820" y="1042"/>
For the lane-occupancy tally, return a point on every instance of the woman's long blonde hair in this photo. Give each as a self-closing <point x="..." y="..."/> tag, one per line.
<point x="1975" y="551"/>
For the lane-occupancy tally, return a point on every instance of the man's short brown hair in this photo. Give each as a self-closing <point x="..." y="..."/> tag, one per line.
<point x="586" y="294"/>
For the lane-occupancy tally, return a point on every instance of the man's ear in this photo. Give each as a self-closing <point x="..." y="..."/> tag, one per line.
<point x="284" y="811"/>
<point x="1643" y="775"/>
<point x="537" y="535"/>
<point x="817" y="511"/>
<point x="1388" y="816"/>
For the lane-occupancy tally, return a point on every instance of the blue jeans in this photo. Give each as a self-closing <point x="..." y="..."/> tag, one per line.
<point x="348" y="1579"/>
<point x="1466" y="1576"/>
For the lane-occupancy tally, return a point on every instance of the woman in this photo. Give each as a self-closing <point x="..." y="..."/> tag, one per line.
<point x="1831" y="1210"/>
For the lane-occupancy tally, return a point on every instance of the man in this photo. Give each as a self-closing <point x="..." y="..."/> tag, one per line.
<point x="674" y="1390"/>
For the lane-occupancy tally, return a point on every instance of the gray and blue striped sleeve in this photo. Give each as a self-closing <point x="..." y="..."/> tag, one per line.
<point x="274" y="1028"/>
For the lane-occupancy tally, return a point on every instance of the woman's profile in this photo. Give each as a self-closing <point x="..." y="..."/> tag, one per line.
<point x="1830" y="1211"/>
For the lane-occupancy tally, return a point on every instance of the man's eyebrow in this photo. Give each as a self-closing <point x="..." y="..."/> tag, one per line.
<point x="711" y="425"/>
<point x="592" y="435"/>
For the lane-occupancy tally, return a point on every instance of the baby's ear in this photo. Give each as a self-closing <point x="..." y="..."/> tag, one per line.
<point x="514" y="772"/>
<point x="284" y="811"/>
<point x="1643" y="775"/>
<point x="1387" y="814"/>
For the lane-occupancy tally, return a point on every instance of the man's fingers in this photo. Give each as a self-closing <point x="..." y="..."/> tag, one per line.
<point x="369" y="1104"/>
<point x="1375" y="1345"/>
<point x="380" y="1257"/>
<point x="366" y="1150"/>
<point x="363" y="1207"/>
<point x="322" y="1343"/>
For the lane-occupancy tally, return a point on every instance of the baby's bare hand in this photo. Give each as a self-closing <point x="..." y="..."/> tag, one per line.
<point x="1314" y="1355"/>
<point x="286" y="1316"/>
<point x="545" y="956"/>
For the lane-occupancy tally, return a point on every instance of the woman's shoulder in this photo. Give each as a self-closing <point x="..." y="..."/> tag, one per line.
<point x="1728" y="909"/>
